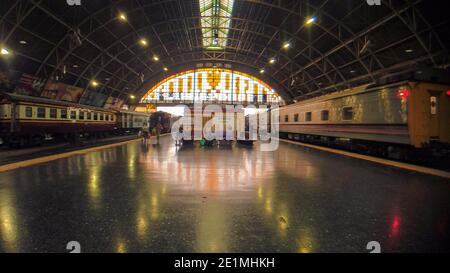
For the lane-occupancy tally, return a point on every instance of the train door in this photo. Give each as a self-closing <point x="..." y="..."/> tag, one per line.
<point x="15" y="117"/>
<point x="434" y="115"/>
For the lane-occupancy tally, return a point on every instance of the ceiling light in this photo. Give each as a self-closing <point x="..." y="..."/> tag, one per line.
<point x="155" y="58"/>
<point x="409" y="50"/>
<point x="311" y="20"/>
<point x="23" y="42"/>
<point x="352" y="71"/>
<point x="75" y="66"/>
<point x="286" y="45"/>
<point x="143" y="42"/>
<point x="132" y="97"/>
<point x="122" y="17"/>
<point x="262" y="71"/>
<point x="4" y="51"/>
<point x="272" y="61"/>
<point x="94" y="83"/>
<point x="166" y="69"/>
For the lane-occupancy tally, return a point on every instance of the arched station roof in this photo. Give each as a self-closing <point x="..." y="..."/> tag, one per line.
<point x="305" y="48"/>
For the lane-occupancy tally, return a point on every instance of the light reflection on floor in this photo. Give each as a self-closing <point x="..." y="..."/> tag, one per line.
<point x="145" y="198"/>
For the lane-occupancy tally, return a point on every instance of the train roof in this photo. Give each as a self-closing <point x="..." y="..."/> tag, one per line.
<point x="350" y="92"/>
<point x="134" y="113"/>
<point x="23" y="98"/>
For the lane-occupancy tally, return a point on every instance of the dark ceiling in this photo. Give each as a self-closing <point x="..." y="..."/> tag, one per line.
<point x="351" y="43"/>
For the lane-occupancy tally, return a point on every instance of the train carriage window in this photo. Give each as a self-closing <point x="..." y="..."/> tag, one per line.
<point x="112" y="117"/>
<point x="325" y="115"/>
<point x="81" y="115"/>
<point x="63" y="113"/>
<point x="53" y="113"/>
<point x="308" y="116"/>
<point x="89" y="116"/>
<point x="95" y="116"/>
<point x="102" y="117"/>
<point x="296" y="117"/>
<point x="41" y="112"/>
<point x="73" y="115"/>
<point x="347" y="113"/>
<point x="29" y="112"/>
<point x="286" y="118"/>
<point x="107" y="117"/>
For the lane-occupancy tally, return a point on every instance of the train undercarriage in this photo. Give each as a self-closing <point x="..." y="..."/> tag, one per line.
<point x="432" y="154"/>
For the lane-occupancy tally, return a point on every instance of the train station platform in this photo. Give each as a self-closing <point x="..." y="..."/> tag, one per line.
<point x="146" y="198"/>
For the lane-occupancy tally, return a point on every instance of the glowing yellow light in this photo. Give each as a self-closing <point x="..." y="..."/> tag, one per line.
<point x="268" y="205"/>
<point x="94" y="83"/>
<point x="155" y="58"/>
<point x="8" y="225"/>
<point x="286" y="45"/>
<point x="132" y="97"/>
<point x="311" y="20"/>
<point x="142" y="225"/>
<point x="306" y="241"/>
<point x="122" y="17"/>
<point x="166" y="69"/>
<point x="4" y="51"/>
<point x="262" y="71"/>
<point x="272" y="61"/>
<point x="121" y="248"/>
<point x="143" y="42"/>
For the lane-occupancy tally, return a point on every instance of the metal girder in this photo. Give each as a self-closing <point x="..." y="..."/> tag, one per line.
<point x="232" y="28"/>
<point x="251" y="42"/>
<point x="139" y="56"/>
<point x="222" y="58"/>
<point x="62" y="22"/>
<point x="45" y="61"/>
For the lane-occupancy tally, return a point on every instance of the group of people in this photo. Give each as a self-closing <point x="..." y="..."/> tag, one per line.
<point x="148" y="131"/>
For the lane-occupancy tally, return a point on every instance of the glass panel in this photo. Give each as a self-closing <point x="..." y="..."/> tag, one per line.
<point x="212" y="85"/>
<point x="41" y="112"/>
<point x="325" y="115"/>
<point x="29" y="112"/>
<point x="347" y="113"/>
<point x="215" y="21"/>
<point x="53" y="113"/>
<point x="308" y="116"/>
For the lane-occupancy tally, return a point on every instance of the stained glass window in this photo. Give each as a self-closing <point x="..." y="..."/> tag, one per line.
<point x="212" y="85"/>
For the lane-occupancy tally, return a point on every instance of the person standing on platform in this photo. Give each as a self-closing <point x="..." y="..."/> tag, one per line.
<point x="157" y="132"/>
<point x="145" y="132"/>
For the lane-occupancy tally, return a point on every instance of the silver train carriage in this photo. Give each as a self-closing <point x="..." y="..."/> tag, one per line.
<point x="405" y="114"/>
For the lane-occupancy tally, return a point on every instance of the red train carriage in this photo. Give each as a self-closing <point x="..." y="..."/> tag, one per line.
<point x="164" y="119"/>
<point x="30" y="120"/>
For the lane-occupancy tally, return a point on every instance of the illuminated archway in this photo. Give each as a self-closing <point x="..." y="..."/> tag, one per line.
<point x="212" y="85"/>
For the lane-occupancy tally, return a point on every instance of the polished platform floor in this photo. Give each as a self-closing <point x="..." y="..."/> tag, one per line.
<point x="138" y="198"/>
